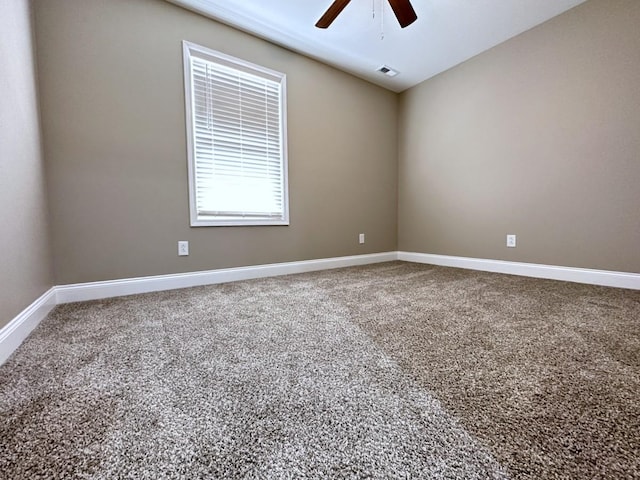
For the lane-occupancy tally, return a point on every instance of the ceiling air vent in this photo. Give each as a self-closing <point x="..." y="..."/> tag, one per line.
<point x="388" y="71"/>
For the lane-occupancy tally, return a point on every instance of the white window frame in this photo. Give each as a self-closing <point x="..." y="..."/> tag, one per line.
<point x="192" y="50"/>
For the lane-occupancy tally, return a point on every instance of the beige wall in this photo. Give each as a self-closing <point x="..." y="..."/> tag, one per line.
<point x="540" y="137"/>
<point x="25" y="269"/>
<point x="536" y="137"/>
<point x="113" y="121"/>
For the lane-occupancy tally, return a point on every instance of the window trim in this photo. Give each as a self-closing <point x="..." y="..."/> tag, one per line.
<point x="191" y="49"/>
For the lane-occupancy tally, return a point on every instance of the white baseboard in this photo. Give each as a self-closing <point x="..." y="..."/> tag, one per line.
<point x="569" y="274"/>
<point x="114" y="288"/>
<point x="14" y="333"/>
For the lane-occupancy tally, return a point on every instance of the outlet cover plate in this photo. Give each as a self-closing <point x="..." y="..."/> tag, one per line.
<point x="511" y="241"/>
<point x="183" y="248"/>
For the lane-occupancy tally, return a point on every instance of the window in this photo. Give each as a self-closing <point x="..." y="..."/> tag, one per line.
<point x="236" y="137"/>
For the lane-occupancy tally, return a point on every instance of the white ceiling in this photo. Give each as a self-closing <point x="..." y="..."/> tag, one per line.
<point x="446" y="33"/>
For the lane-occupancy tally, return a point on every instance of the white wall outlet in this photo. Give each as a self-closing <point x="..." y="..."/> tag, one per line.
<point x="511" y="241"/>
<point x="361" y="238"/>
<point x="183" y="248"/>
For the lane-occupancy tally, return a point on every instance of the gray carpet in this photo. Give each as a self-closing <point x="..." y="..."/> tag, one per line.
<point x="386" y="371"/>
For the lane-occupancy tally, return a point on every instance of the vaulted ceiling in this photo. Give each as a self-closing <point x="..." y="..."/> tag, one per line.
<point x="366" y="35"/>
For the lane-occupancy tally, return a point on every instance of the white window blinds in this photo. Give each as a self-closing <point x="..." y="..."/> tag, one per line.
<point x="236" y="125"/>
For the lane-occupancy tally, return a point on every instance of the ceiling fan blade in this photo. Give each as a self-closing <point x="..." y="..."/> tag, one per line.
<point x="330" y="15"/>
<point x="405" y="13"/>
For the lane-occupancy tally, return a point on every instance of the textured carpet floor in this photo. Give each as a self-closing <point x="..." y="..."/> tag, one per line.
<point x="393" y="370"/>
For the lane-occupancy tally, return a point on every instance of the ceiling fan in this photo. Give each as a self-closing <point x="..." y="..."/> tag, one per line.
<point x="405" y="13"/>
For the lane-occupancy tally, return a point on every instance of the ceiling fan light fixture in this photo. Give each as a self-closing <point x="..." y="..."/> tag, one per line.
<point x="388" y="71"/>
<point x="402" y="9"/>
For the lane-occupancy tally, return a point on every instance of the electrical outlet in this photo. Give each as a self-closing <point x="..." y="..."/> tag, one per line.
<point x="511" y="241"/>
<point x="361" y="238"/>
<point x="183" y="248"/>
